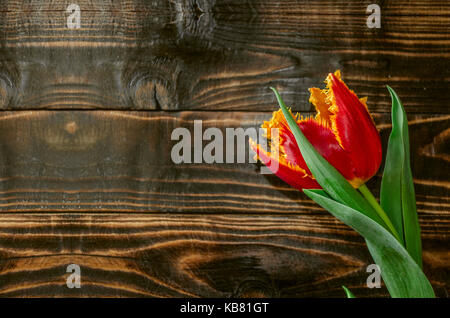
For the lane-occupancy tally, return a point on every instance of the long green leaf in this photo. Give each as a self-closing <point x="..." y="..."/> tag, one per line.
<point x="391" y="194"/>
<point x="326" y="175"/>
<point x="397" y="189"/>
<point x="401" y="274"/>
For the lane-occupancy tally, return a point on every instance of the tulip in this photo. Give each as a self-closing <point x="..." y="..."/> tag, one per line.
<point x="341" y="148"/>
<point x="342" y="131"/>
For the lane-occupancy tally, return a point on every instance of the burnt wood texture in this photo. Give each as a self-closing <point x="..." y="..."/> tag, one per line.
<point x="86" y="175"/>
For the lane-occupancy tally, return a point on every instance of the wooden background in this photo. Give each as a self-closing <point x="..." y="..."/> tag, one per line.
<point x="85" y="124"/>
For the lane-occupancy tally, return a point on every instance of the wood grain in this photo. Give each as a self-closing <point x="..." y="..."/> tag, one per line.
<point x="143" y="255"/>
<point x="235" y="223"/>
<point x="220" y="55"/>
<point x="121" y="161"/>
<point x="86" y="117"/>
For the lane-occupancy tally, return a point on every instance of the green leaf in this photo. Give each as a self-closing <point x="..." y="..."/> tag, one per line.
<point x="348" y="292"/>
<point x="326" y="175"/>
<point x="397" y="195"/>
<point x="401" y="274"/>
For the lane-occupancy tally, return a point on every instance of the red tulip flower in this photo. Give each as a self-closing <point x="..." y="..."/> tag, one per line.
<point x="342" y="131"/>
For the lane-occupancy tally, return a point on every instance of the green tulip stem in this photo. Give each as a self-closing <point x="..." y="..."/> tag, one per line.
<point x="374" y="203"/>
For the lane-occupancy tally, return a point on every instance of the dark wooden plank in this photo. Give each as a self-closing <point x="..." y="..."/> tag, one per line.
<point x="121" y="162"/>
<point x="192" y="256"/>
<point x="199" y="230"/>
<point x="220" y="55"/>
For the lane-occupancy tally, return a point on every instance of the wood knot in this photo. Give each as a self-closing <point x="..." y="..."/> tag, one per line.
<point x="152" y="84"/>
<point x="256" y="288"/>
<point x="71" y="127"/>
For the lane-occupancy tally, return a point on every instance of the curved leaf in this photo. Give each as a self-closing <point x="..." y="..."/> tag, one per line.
<point x="397" y="196"/>
<point x="401" y="274"/>
<point x="348" y="292"/>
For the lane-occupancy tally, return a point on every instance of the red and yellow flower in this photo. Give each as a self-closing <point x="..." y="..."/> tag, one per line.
<point x="342" y="131"/>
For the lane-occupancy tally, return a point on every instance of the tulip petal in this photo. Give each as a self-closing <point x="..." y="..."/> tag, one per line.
<point x="321" y="136"/>
<point x="319" y="99"/>
<point x="354" y="128"/>
<point x="324" y="141"/>
<point x="342" y="131"/>
<point x="285" y="154"/>
<point x="295" y="176"/>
